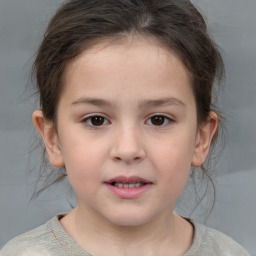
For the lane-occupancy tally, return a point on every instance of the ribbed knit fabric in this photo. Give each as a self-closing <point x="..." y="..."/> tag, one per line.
<point x="51" y="239"/>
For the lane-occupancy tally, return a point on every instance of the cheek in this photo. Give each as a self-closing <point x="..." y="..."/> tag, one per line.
<point x="175" y="152"/>
<point x="83" y="163"/>
<point x="173" y="159"/>
<point x="80" y="150"/>
<point x="83" y="175"/>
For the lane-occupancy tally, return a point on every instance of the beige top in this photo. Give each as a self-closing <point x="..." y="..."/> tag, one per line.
<point x="51" y="239"/>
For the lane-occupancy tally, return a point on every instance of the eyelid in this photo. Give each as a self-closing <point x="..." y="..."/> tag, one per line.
<point x="87" y="117"/>
<point x="166" y="116"/>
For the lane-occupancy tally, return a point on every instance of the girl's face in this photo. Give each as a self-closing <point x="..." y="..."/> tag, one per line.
<point x="127" y="131"/>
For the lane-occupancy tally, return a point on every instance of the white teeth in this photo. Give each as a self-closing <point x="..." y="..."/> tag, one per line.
<point x="130" y="185"/>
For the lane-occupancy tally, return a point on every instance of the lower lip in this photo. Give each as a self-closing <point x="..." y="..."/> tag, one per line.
<point x="129" y="193"/>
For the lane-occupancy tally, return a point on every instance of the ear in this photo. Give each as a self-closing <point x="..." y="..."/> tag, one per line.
<point x="49" y="135"/>
<point x="204" y="139"/>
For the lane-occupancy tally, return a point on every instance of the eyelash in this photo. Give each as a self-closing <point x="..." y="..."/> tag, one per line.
<point x="166" y="120"/>
<point x="104" y="121"/>
<point x="88" y="120"/>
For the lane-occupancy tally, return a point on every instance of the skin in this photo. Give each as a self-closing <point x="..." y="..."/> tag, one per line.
<point x="130" y="82"/>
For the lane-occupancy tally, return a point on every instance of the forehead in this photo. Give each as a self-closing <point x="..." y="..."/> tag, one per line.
<point x="124" y="62"/>
<point x="125" y="48"/>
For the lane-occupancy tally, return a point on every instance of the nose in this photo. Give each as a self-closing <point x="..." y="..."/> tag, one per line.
<point x="127" y="146"/>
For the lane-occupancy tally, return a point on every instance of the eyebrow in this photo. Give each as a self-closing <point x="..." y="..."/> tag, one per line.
<point x="161" y="102"/>
<point x="92" y="101"/>
<point x="144" y="103"/>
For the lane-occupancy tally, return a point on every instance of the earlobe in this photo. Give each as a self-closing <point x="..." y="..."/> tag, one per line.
<point x="204" y="139"/>
<point x="48" y="133"/>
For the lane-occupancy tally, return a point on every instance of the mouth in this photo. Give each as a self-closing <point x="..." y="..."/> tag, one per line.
<point x="128" y="182"/>
<point x="128" y="187"/>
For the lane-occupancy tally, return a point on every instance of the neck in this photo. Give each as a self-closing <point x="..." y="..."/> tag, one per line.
<point x="167" y="232"/>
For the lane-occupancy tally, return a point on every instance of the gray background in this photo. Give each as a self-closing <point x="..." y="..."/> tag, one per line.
<point x="232" y="23"/>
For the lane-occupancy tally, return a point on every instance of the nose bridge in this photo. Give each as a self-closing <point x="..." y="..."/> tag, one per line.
<point x="128" y="146"/>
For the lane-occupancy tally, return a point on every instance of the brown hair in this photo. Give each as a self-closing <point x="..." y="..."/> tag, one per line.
<point x="78" y="24"/>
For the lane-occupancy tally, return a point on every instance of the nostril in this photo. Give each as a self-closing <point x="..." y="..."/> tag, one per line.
<point x="117" y="158"/>
<point x="126" y="159"/>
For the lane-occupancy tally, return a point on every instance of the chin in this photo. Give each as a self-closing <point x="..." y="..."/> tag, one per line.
<point x="129" y="219"/>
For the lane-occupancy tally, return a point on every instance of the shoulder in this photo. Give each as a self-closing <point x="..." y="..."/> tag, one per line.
<point x="214" y="243"/>
<point x="37" y="242"/>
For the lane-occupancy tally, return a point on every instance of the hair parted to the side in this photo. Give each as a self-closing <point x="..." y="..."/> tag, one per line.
<point x="175" y="24"/>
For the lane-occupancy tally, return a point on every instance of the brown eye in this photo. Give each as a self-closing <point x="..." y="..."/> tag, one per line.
<point x="96" y="121"/>
<point x="159" y="120"/>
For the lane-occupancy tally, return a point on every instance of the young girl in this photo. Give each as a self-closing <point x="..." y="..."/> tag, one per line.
<point x="126" y="108"/>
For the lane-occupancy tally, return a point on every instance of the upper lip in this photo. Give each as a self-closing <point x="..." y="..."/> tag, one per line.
<point x="127" y="180"/>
